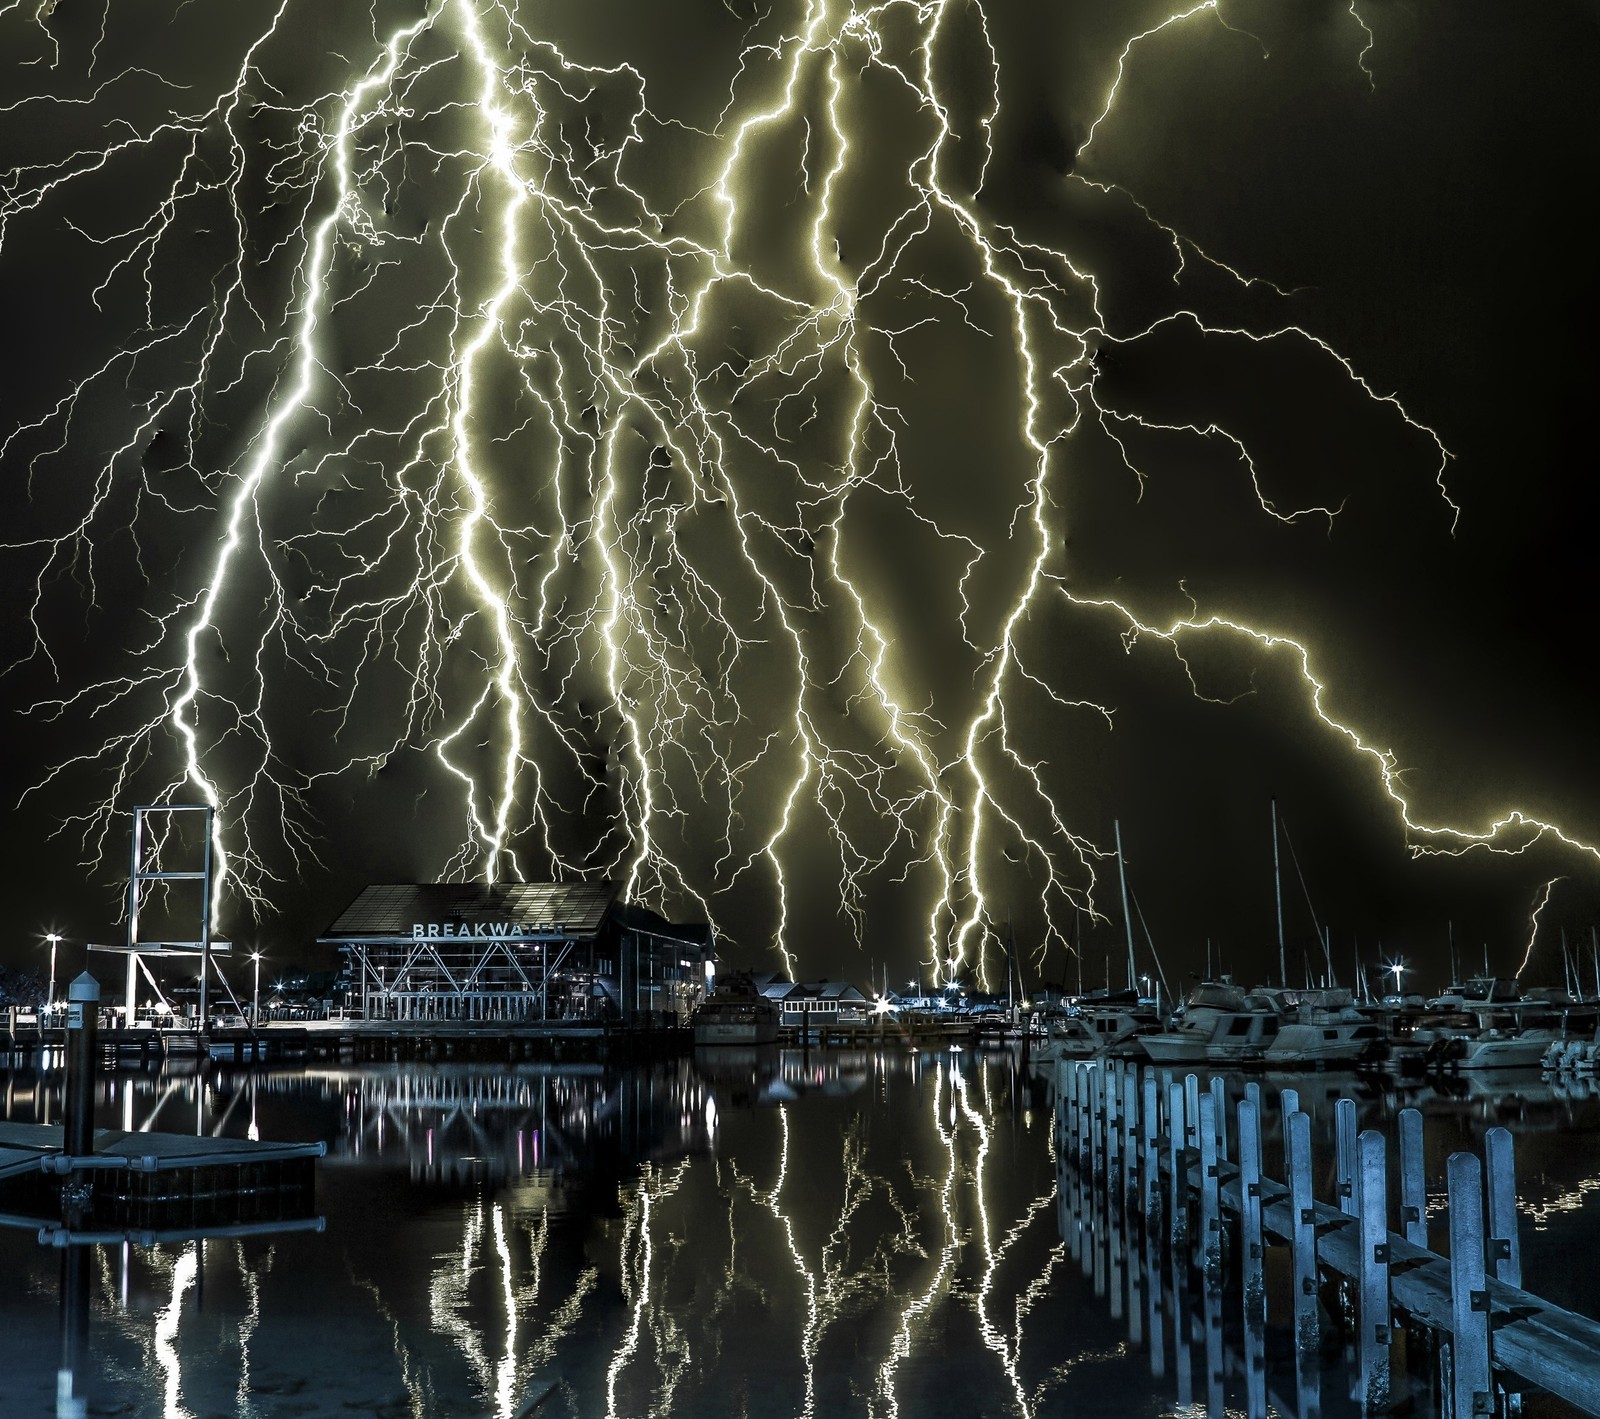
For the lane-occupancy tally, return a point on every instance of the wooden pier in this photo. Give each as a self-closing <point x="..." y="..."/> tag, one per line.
<point x="1162" y="1186"/>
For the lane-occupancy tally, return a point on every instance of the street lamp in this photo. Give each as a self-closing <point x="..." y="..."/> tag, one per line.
<point x="255" y="1007"/>
<point x="54" y="939"/>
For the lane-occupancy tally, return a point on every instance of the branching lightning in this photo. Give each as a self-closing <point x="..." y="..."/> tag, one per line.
<point x="534" y="440"/>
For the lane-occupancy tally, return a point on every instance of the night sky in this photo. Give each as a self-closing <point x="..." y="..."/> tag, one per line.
<point x="762" y="454"/>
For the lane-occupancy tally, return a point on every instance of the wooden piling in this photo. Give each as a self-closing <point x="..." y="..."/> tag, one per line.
<point x="1130" y="1138"/>
<point x="1505" y="1248"/>
<point x="1372" y="1201"/>
<point x="1191" y="1111"/>
<point x="1345" y="1155"/>
<point x="1219" y="1103"/>
<point x="1252" y="1253"/>
<point x="1413" y="1181"/>
<point x="1471" y="1392"/>
<point x="1210" y="1204"/>
<point x="1297" y="1137"/>
<point x="1178" y="1172"/>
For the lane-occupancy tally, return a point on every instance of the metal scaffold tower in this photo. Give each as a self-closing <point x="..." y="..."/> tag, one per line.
<point x="146" y="845"/>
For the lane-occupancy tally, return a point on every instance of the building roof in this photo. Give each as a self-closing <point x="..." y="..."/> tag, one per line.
<point x="576" y="909"/>
<point x="776" y="987"/>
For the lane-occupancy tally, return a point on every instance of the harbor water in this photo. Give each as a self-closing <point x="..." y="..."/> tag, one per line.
<point x="746" y="1233"/>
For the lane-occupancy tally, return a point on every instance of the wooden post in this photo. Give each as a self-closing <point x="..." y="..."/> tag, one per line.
<point x="1219" y="1104"/>
<point x="1130" y="1139"/>
<point x="1067" y="1080"/>
<point x="1191" y="1111"/>
<point x="1345" y="1159"/>
<point x="1210" y="1201"/>
<point x="1151" y="1123"/>
<point x="1469" y="1295"/>
<point x="1087" y="1146"/>
<point x="1252" y="1254"/>
<point x="1211" y="1243"/>
<point x="1288" y="1107"/>
<point x="1099" y="1194"/>
<point x="1505" y="1249"/>
<point x="1372" y="1200"/>
<point x="1178" y="1196"/>
<point x="1304" y="1241"/>
<point x="1132" y="1201"/>
<point x="1113" y="1125"/>
<point x="1413" y="1180"/>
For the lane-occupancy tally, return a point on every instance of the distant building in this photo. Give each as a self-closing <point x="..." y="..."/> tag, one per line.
<point x="516" y="951"/>
<point x="814" y="1002"/>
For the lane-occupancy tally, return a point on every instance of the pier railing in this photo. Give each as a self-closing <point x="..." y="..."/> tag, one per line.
<point x="1162" y="1185"/>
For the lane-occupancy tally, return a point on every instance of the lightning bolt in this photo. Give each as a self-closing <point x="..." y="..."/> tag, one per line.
<point x="538" y="441"/>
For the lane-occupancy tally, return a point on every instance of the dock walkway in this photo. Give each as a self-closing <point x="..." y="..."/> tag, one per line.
<point x="1147" y="1169"/>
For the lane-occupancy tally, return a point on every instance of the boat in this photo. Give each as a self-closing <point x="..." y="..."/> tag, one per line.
<point x="1221" y="1023"/>
<point x="1487" y="1023"/>
<point x="736" y="1013"/>
<point x="1100" y="1024"/>
<point x="1218" y="1023"/>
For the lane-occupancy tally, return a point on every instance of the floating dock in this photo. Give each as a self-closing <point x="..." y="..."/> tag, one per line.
<point x="138" y="1183"/>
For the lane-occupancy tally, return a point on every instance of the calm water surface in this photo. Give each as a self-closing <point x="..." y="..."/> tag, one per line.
<point x="833" y="1234"/>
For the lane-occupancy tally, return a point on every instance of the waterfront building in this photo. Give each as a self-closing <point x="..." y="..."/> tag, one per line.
<point x="517" y="951"/>
<point x="819" y="1003"/>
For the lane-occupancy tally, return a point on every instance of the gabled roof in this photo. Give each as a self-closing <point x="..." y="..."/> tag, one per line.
<point x="580" y="909"/>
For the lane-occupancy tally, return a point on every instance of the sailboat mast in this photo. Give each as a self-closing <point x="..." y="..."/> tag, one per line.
<point x="1127" y="916"/>
<point x="1277" y="886"/>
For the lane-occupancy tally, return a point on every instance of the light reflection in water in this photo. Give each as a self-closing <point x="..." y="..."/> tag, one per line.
<point x="779" y="1234"/>
<point x="166" y="1331"/>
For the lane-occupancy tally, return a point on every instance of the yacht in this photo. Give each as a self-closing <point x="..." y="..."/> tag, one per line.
<point x="1221" y="1023"/>
<point x="1486" y="1023"/>
<point x="1102" y="1023"/>
<point x="736" y="1013"/>
<point x="1218" y="1023"/>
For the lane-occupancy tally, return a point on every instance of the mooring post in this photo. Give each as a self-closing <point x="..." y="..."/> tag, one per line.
<point x="1372" y="1198"/>
<point x="1178" y="1197"/>
<point x="1113" y="1145"/>
<point x="1210" y="1125"/>
<point x="1060" y="1075"/>
<point x="1099" y="1196"/>
<point x="1210" y="1201"/>
<point x="1288" y="1107"/>
<point x="1067" y="1073"/>
<point x="1345" y="1160"/>
<point x="1469" y="1294"/>
<point x="1191" y="1110"/>
<point x="1130" y="1139"/>
<point x="1413" y="1180"/>
<point x="1219" y="1104"/>
<point x="1151" y="1123"/>
<point x="1131" y="1095"/>
<point x="1115" y="1244"/>
<point x="1304" y="1241"/>
<point x="83" y="1024"/>
<point x="1097" y="1120"/>
<point x="1086" y="1217"/>
<point x="1505" y="1250"/>
<point x="1252" y="1253"/>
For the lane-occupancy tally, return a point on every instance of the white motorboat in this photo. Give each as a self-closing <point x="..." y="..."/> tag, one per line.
<point x="736" y="1013"/>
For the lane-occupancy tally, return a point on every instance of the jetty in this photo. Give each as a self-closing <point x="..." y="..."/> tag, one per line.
<point x="1163" y="1193"/>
